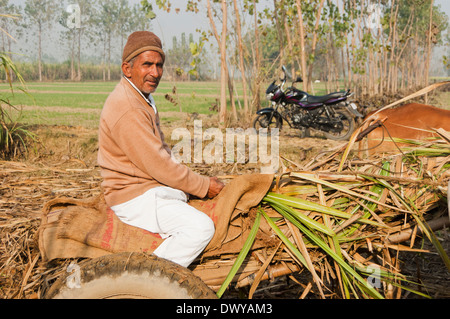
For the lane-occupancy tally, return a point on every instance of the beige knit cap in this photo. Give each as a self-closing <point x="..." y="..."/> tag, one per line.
<point x="139" y="42"/>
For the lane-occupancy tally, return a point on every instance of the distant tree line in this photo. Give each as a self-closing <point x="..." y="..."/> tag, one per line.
<point x="369" y="46"/>
<point x="100" y="25"/>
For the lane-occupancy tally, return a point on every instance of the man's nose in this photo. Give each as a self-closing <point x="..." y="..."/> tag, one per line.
<point x="155" y="71"/>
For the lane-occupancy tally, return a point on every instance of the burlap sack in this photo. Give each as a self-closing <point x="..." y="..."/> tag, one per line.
<point x="88" y="228"/>
<point x="239" y="196"/>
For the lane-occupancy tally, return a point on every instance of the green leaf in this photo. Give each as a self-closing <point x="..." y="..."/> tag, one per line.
<point x="311" y="206"/>
<point x="285" y="240"/>
<point x="283" y="210"/>
<point x="241" y="257"/>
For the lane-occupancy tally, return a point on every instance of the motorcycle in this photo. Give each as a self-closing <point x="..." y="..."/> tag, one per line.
<point x="331" y="114"/>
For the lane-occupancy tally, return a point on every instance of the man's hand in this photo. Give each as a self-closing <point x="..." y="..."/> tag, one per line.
<point x="215" y="186"/>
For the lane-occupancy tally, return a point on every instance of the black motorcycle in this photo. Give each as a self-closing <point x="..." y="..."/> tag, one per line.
<point x="331" y="114"/>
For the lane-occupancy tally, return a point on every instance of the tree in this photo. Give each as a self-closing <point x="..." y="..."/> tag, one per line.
<point x="108" y="15"/>
<point x="221" y="41"/>
<point x="68" y="36"/>
<point x="9" y="25"/>
<point x="302" y="45"/>
<point x="241" y="55"/>
<point x="39" y="13"/>
<point x="318" y="11"/>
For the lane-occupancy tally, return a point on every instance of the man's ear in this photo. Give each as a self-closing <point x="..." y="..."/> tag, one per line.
<point x="126" y="69"/>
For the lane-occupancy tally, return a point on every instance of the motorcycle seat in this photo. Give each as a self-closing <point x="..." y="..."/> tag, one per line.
<point x="324" y="98"/>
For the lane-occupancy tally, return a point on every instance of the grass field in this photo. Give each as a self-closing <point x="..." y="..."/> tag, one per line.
<point x="80" y="103"/>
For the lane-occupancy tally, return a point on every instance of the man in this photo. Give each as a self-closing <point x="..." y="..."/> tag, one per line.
<point x="142" y="184"/>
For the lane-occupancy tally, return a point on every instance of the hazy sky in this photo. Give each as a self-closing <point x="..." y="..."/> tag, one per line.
<point x="168" y="25"/>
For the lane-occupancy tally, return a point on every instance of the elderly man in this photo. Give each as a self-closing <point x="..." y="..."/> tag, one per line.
<point x="142" y="184"/>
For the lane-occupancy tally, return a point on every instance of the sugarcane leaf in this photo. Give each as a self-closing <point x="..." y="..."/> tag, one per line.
<point x="305" y="219"/>
<point x="420" y="221"/>
<point x="241" y="257"/>
<point x="311" y="206"/>
<point x="285" y="240"/>
<point x="341" y="188"/>
<point x="284" y="210"/>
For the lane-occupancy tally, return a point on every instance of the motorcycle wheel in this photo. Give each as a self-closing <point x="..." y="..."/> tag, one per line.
<point x="262" y="121"/>
<point x="347" y="126"/>
<point x="129" y="276"/>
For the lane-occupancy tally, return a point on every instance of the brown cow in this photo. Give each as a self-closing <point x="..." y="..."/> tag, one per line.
<point x="411" y="121"/>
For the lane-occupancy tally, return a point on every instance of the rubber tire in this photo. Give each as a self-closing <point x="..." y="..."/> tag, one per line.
<point x="278" y="122"/>
<point x="131" y="276"/>
<point x="351" y="128"/>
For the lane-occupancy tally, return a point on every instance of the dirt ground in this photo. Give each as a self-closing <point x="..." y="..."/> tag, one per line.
<point x="63" y="163"/>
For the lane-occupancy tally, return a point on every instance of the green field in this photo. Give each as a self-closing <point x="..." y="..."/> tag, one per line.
<point x="80" y="103"/>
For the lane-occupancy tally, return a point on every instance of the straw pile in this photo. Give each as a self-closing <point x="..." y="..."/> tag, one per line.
<point x="338" y="222"/>
<point x="24" y="189"/>
<point x="345" y="224"/>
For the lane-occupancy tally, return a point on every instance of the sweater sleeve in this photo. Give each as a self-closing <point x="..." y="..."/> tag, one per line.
<point x="135" y="134"/>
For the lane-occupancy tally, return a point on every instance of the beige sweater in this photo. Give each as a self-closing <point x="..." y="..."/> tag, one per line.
<point x="132" y="153"/>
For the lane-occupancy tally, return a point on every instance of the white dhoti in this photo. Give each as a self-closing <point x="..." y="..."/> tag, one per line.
<point x="165" y="211"/>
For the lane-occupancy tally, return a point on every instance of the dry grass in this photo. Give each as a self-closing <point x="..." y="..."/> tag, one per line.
<point x="25" y="188"/>
<point x="334" y="224"/>
<point x="27" y="185"/>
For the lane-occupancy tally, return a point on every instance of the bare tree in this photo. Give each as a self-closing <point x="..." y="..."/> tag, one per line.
<point x="302" y="46"/>
<point x="39" y="13"/>
<point x="318" y="11"/>
<point x="241" y="56"/>
<point x="221" y="41"/>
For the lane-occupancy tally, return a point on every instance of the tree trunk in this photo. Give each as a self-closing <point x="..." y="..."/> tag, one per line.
<point x="241" y="57"/>
<point x="40" y="51"/>
<point x="302" y="46"/>
<point x="109" y="56"/>
<point x="257" y="64"/>
<point x="427" y="62"/>
<point x="72" y="55"/>
<point x="278" y="27"/>
<point x="223" y="58"/>
<point x="79" y="56"/>
<point x="104" y="60"/>
<point x="290" y="45"/>
<point x="314" y="43"/>
<point x="231" y="93"/>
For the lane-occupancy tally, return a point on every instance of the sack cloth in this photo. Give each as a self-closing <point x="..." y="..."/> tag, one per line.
<point x="72" y="228"/>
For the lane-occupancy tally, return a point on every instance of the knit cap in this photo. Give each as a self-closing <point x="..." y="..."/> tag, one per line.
<point x="139" y="42"/>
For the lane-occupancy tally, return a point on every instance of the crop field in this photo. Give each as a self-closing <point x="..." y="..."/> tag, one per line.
<point x="80" y="103"/>
<point x="71" y="103"/>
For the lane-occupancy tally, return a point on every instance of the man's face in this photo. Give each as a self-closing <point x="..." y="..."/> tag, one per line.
<point x="146" y="71"/>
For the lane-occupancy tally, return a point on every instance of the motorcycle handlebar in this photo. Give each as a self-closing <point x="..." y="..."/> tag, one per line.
<point x="283" y="80"/>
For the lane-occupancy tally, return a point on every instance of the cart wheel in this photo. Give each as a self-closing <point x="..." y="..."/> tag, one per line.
<point x="129" y="275"/>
